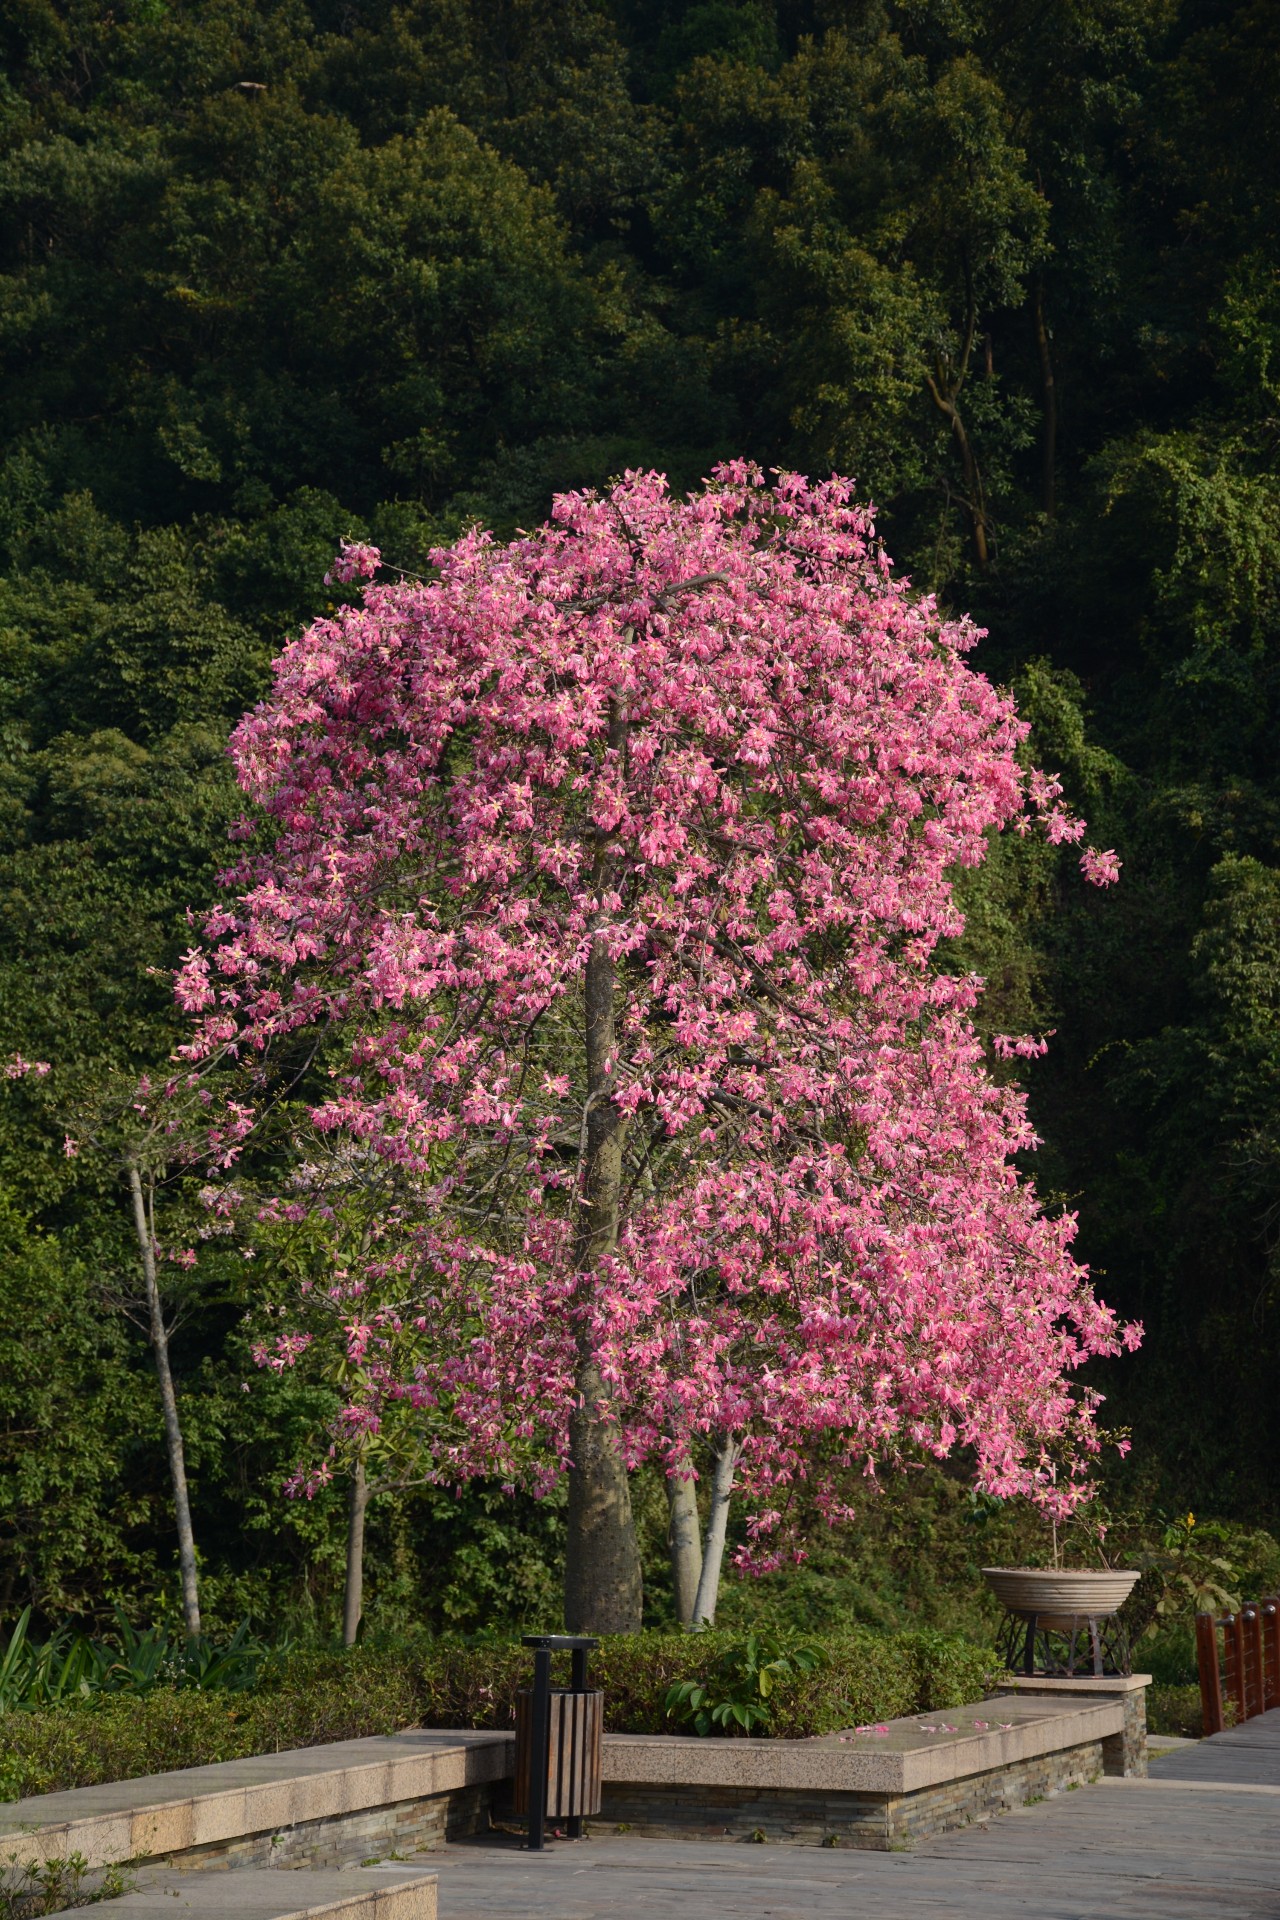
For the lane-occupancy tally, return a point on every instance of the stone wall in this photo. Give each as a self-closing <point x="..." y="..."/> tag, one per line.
<point x="395" y="1795"/>
<point x="1126" y="1753"/>
<point x="813" y="1818"/>
<point x="803" y="1816"/>
<point x="350" y="1839"/>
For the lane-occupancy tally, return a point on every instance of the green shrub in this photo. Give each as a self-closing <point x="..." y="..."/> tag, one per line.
<point x="745" y="1686"/>
<point x="306" y="1699"/>
<point x="1175" y="1710"/>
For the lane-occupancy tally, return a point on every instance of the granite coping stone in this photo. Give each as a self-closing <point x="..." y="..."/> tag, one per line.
<point x="264" y="1894"/>
<point x="1080" y="1683"/>
<point x="895" y="1757"/>
<point x="197" y="1806"/>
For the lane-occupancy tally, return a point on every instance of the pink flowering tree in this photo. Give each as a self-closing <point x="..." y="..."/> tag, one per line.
<point x="603" y="874"/>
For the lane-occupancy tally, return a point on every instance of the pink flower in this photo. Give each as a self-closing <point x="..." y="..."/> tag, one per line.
<point x="17" y="1068"/>
<point x="1100" y="869"/>
<point x="354" y="561"/>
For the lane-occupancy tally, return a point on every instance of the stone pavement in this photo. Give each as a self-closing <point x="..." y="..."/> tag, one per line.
<point x="1199" y="1840"/>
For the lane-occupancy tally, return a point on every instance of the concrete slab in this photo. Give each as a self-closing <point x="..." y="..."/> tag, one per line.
<point x="216" y="1806"/>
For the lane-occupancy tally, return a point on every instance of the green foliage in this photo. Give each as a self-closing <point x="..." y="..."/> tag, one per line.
<point x="71" y="1508"/>
<point x="311" y="1697"/>
<point x="738" y="1694"/>
<point x="30" y="1887"/>
<point x="1175" y="1709"/>
<point x="72" y="1667"/>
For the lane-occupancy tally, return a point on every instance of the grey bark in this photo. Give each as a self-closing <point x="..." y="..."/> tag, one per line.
<point x="684" y="1541"/>
<point x="704" y="1606"/>
<point x="353" y="1585"/>
<point x="145" y="1230"/>
<point x="603" y="1589"/>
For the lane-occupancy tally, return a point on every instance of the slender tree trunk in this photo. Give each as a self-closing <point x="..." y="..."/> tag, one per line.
<point x="684" y="1542"/>
<point x="169" y="1402"/>
<point x="353" y="1586"/>
<point x="704" y="1606"/>
<point x="603" y="1591"/>
<point x="947" y="402"/>
<point x="944" y="384"/>
<point x="1049" y="428"/>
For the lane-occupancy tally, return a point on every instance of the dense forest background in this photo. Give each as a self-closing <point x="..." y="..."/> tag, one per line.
<point x="281" y="272"/>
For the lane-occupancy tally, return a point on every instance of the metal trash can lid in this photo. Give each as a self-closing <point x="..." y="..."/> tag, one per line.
<point x="559" y="1642"/>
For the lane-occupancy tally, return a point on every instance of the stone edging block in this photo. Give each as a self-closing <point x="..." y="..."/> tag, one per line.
<point x="197" y="1806"/>
<point x="268" y="1895"/>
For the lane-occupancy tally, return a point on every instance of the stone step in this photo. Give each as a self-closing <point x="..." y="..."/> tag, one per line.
<point x="263" y="1894"/>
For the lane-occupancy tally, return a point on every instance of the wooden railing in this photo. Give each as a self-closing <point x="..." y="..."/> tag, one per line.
<point x="1244" y="1675"/>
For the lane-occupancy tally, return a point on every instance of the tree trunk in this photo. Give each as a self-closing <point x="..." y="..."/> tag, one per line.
<point x="947" y="402"/>
<point x="684" y="1543"/>
<point x="603" y="1590"/>
<point x="944" y="384"/>
<point x="145" y="1230"/>
<point x="353" y="1586"/>
<point x="1049" y="430"/>
<point x="704" y="1606"/>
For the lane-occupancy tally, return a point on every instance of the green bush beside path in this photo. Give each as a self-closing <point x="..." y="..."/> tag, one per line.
<point x="317" y="1697"/>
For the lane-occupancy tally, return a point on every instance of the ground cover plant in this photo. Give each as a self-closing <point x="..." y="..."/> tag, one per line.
<point x="314" y="1697"/>
<point x="31" y="1887"/>
<point x="71" y="1666"/>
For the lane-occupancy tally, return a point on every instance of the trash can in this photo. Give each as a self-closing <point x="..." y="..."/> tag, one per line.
<point x="559" y="1733"/>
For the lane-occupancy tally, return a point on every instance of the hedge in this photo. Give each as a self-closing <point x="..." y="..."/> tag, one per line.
<point x="1175" y="1709"/>
<point x="315" y="1697"/>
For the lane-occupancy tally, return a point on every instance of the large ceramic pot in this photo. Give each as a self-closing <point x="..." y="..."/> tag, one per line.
<point x="1052" y="1593"/>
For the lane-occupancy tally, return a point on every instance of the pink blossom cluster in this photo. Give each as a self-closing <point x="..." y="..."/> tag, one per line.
<point x="718" y="740"/>
<point x="17" y="1068"/>
<point x="353" y="561"/>
<point x="1102" y="869"/>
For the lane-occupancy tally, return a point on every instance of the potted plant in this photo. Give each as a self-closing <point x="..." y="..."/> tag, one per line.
<point x="1059" y="1595"/>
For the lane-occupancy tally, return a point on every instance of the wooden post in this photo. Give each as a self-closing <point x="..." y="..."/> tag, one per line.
<point x="1251" y="1674"/>
<point x="1270" y="1610"/>
<point x="1233" y="1663"/>
<point x="578" y="1684"/>
<point x="1210" y="1674"/>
